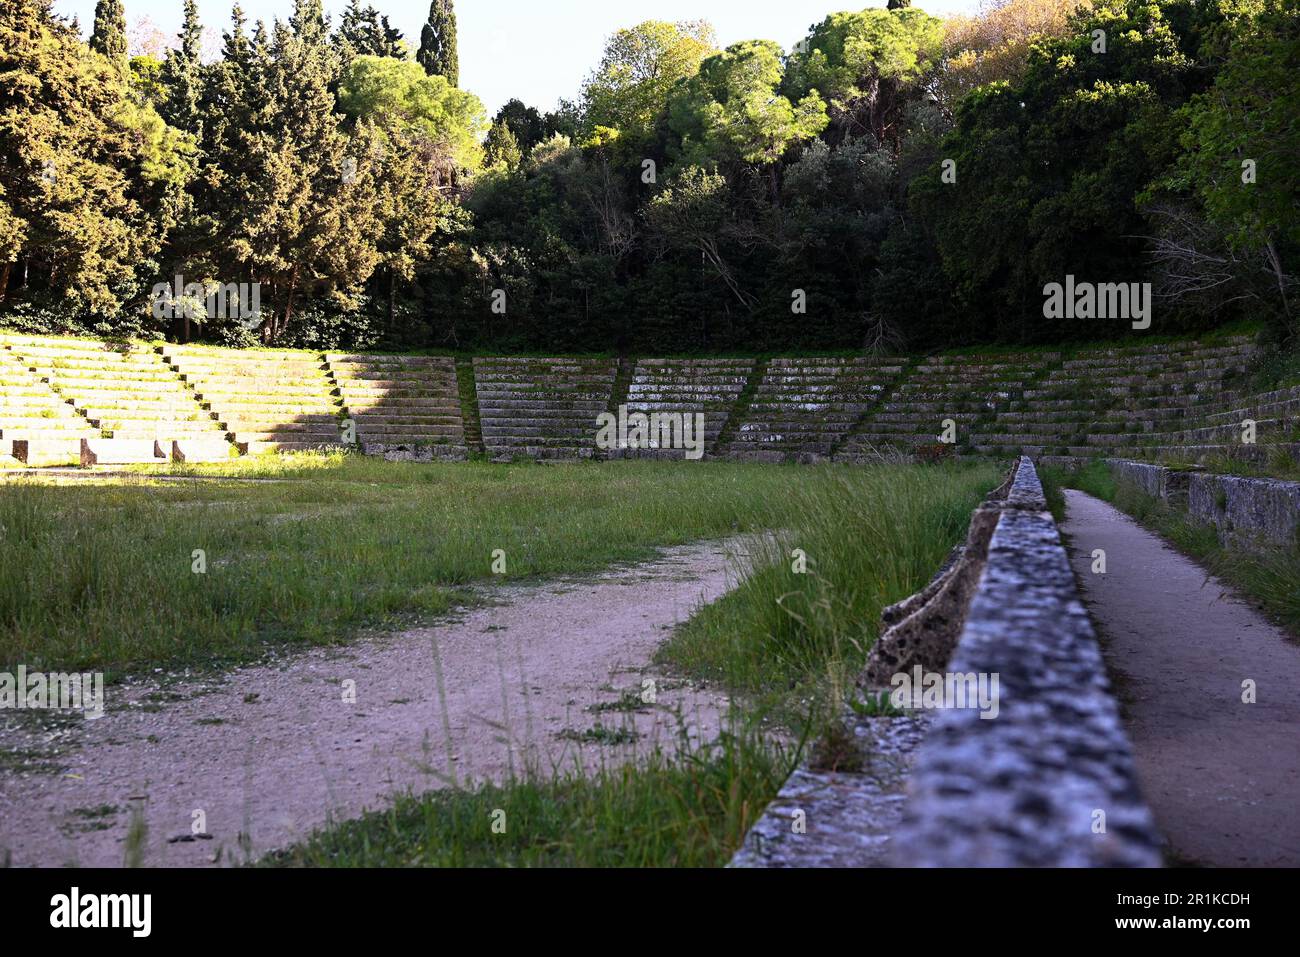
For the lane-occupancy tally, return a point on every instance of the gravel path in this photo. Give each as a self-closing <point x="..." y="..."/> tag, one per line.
<point x="268" y="753"/>
<point x="1222" y="776"/>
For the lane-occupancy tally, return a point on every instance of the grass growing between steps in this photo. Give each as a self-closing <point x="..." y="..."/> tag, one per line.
<point x="1269" y="578"/>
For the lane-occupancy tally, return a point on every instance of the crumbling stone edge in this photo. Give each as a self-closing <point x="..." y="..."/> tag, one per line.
<point x="1048" y="782"/>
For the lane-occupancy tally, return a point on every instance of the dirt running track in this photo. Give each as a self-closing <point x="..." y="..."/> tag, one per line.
<point x="1222" y="776"/>
<point x="271" y="751"/>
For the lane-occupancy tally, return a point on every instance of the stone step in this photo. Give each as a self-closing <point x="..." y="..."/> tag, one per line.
<point x="413" y="402"/>
<point x="282" y="433"/>
<point x="374" y="430"/>
<point x="15" y="423"/>
<point x="369" y="437"/>
<point x="201" y="450"/>
<point x="44" y="451"/>
<point x="48" y="433"/>
<point x="319" y="420"/>
<point x="258" y="447"/>
<point x="286" y="436"/>
<point x="117" y="451"/>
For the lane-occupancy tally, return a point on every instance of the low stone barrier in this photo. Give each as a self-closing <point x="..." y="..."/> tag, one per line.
<point x="1043" y="778"/>
<point x="1050" y="780"/>
<point x="1245" y="511"/>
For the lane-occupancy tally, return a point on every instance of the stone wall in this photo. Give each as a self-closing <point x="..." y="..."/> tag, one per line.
<point x="1047" y="780"/>
<point x="1245" y="511"/>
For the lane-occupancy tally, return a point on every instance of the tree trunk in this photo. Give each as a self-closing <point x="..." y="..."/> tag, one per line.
<point x="288" y="302"/>
<point x="392" y="293"/>
<point x="1276" y="263"/>
<point x="4" y="279"/>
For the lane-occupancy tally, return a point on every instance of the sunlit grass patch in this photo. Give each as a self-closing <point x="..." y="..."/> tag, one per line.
<point x="103" y="574"/>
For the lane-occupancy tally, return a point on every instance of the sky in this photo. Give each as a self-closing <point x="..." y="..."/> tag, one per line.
<point x="536" y="50"/>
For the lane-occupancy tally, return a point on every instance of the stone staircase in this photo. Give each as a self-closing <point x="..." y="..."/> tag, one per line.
<point x="38" y="426"/>
<point x="65" y="400"/>
<point x="803" y="408"/>
<point x="1155" y="401"/>
<point x="403" y="406"/>
<point x="268" y="400"/>
<point x="142" y="408"/>
<point x="970" y="390"/>
<point x="542" y="408"/>
<point x="709" y="387"/>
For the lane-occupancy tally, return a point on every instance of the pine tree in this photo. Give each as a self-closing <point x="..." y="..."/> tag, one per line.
<point x="438" y="43"/>
<point x="109" y="34"/>
<point x="302" y="198"/>
<point x="501" y="147"/>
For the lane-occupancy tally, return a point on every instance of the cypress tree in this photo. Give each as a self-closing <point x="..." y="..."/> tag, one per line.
<point x="182" y="77"/>
<point x="364" y="32"/>
<point x="109" y="34"/>
<point x="438" y="43"/>
<point x="308" y="21"/>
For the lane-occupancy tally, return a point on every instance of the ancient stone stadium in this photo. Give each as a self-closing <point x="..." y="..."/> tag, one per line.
<point x="726" y="437"/>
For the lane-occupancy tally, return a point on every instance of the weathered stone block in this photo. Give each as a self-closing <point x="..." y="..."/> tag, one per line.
<point x="119" y="451"/>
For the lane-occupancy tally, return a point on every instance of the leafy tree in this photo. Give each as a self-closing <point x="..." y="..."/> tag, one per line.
<point x="437" y="52"/>
<point x="1241" y="141"/>
<point x="640" y="67"/>
<point x="994" y="45"/>
<point x="109" y="33"/>
<point x="398" y="92"/>
<point x="530" y="127"/>
<point x="866" y="65"/>
<point x="732" y="112"/>
<point x="417" y="130"/>
<point x="1047" y="170"/>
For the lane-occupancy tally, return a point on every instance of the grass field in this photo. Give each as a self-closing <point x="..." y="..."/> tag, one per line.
<point x="103" y="575"/>
<point x="310" y="549"/>
<point x="786" y="640"/>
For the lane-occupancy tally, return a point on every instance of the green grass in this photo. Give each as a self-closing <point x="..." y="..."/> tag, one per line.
<point x="1270" y="578"/>
<point x="688" y="810"/>
<point x="871" y="537"/>
<point x="99" y="575"/>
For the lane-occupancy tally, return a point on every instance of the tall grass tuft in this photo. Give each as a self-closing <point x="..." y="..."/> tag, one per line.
<point x="871" y="537"/>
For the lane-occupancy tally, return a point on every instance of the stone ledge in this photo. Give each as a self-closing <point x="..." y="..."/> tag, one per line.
<point x="1244" y="511"/>
<point x="957" y="790"/>
<point x="1022" y="789"/>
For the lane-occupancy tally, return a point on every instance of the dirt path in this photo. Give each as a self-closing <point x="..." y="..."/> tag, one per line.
<point x="1222" y="776"/>
<point x="269" y="752"/>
